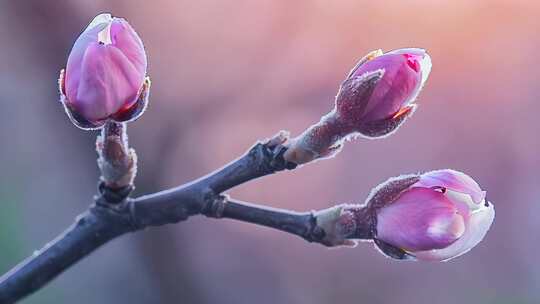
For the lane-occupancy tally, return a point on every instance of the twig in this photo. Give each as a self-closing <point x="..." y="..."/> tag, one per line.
<point x="114" y="214"/>
<point x="91" y="230"/>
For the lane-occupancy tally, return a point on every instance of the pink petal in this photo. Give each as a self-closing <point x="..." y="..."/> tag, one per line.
<point x="127" y="41"/>
<point x="420" y="219"/>
<point x="395" y="88"/>
<point x="405" y="71"/>
<point x="109" y="82"/>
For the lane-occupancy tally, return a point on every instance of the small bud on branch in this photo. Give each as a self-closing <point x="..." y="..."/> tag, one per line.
<point x="373" y="102"/>
<point x="105" y="78"/>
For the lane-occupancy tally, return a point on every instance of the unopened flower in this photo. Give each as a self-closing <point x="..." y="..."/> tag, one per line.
<point x="373" y="101"/>
<point x="381" y="109"/>
<point x="105" y="74"/>
<point x="436" y="216"/>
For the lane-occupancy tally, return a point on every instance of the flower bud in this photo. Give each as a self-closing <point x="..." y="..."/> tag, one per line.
<point x="105" y="74"/>
<point x="373" y="101"/>
<point x="390" y="100"/>
<point x="436" y="216"/>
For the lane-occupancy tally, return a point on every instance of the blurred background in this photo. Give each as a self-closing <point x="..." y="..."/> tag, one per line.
<point x="227" y="73"/>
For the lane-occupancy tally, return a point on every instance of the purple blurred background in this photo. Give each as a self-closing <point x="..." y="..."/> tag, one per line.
<point x="226" y="73"/>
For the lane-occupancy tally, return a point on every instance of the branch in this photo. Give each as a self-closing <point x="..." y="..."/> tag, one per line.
<point x="334" y="226"/>
<point x="91" y="230"/>
<point x="114" y="214"/>
<point x="197" y="197"/>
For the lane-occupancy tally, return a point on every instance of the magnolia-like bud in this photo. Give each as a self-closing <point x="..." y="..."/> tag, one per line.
<point x="105" y="78"/>
<point x="389" y="101"/>
<point x="373" y="101"/>
<point x="435" y="216"/>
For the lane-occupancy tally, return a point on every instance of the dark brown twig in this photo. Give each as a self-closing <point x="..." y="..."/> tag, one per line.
<point x="114" y="214"/>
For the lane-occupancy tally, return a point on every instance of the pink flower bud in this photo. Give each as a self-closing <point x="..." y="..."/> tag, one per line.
<point x="373" y="101"/>
<point x="105" y="74"/>
<point x="381" y="110"/>
<point x="442" y="215"/>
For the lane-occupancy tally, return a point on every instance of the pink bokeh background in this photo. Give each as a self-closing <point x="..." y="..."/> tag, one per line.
<point x="227" y="73"/>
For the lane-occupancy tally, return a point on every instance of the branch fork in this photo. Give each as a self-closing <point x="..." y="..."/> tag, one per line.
<point x="115" y="213"/>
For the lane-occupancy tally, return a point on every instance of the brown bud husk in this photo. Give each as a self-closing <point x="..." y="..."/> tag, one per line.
<point x="117" y="162"/>
<point x="344" y="224"/>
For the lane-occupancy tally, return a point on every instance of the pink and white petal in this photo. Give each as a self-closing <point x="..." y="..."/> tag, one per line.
<point x="424" y="60"/>
<point x="464" y="202"/>
<point x="420" y="219"/>
<point x="425" y="66"/>
<point x="100" y="21"/>
<point x="478" y="226"/>
<point x="453" y="180"/>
